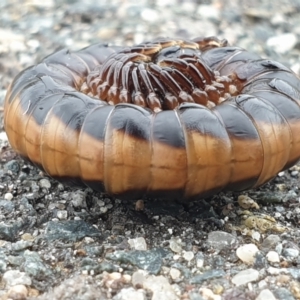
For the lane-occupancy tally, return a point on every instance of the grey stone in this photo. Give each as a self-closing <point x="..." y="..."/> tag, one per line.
<point x="221" y="240"/>
<point x="283" y="294"/>
<point x="207" y="275"/>
<point x="150" y="261"/>
<point x="71" y="230"/>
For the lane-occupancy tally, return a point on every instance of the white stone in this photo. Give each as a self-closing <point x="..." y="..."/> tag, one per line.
<point x="103" y="210"/>
<point x="282" y="43"/>
<point x="246" y="253"/>
<point x="160" y="287"/>
<point x="276" y="271"/>
<point x="18" y="291"/>
<point x="44" y="3"/>
<point x="209" y="295"/>
<point x="138" y="243"/>
<point x="256" y="235"/>
<point x="150" y="15"/>
<point x="272" y="256"/>
<point x="265" y="295"/>
<point x="245" y="277"/>
<point x="45" y="183"/>
<point x="208" y="12"/>
<point x="8" y="196"/>
<point x="14" y="277"/>
<point x="188" y="255"/>
<point x="138" y="278"/>
<point x="130" y="294"/>
<point x="62" y="214"/>
<point x="175" y="245"/>
<point x="34" y="44"/>
<point x="3" y="136"/>
<point x="174" y="273"/>
<point x="200" y="262"/>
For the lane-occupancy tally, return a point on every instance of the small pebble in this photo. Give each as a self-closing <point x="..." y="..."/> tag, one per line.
<point x="138" y="243"/>
<point x="279" y="248"/>
<point x="17" y="292"/>
<point x="199" y="260"/>
<point x="139" y="205"/>
<point x="208" y="12"/>
<point x="150" y="15"/>
<point x="282" y="279"/>
<point x="14" y="277"/>
<point x="79" y="199"/>
<point x="138" y="278"/>
<point x="8" y="196"/>
<point x="111" y="279"/>
<point x="245" y="276"/>
<point x="272" y="256"/>
<point x="3" y="265"/>
<point x="188" y="255"/>
<point x="21" y="245"/>
<point x="270" y="242"/>
<point x="295" y="289"/>
<point x="276" y="271"/>
<point x="210" y="274"/>
<point x="3" y="135"/>
<point x="217" y="289"/>
<point x="290" y="253"/>
<point x="27" y="237"/>
<point x="174" y="273"/>
<point x="160" y="288"/>
<point x="126" y="278"/>
<point x="45" y="183"/>
<point x="13" y="166"/>
<point x="246" y="253"/>
<point x="262" y="284"/>
<point x="282" y="43"/>
<point x="34" y="44"/>
<point x="294" y="173"/>
<point x="221" y="240"/>
<point x="130" y="294"/>
<point x="62" y="214"/>
<point x="246" y="202"/>
<point x="283" y="294"/>
<point x="104" y="209"/>
<point x="265" y="295"/>
<point x="209" y="294"/>
<point x="175" y="245"/>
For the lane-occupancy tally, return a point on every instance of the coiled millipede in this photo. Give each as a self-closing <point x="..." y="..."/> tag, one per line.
<point x="177" y="119"/>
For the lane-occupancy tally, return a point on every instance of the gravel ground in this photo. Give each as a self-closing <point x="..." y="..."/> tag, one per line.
<point x="59" y="243"/>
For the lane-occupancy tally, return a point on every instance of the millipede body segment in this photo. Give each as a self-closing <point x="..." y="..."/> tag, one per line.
<point x="170" y="118"/>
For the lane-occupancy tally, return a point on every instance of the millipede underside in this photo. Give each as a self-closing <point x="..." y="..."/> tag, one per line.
<point x="160" y="75"/>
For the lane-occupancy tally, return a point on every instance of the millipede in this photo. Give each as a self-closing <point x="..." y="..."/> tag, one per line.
<point x="168" y="118"/>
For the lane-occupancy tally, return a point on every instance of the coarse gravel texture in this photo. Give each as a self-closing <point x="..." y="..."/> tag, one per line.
<point x="62" y="243"/>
